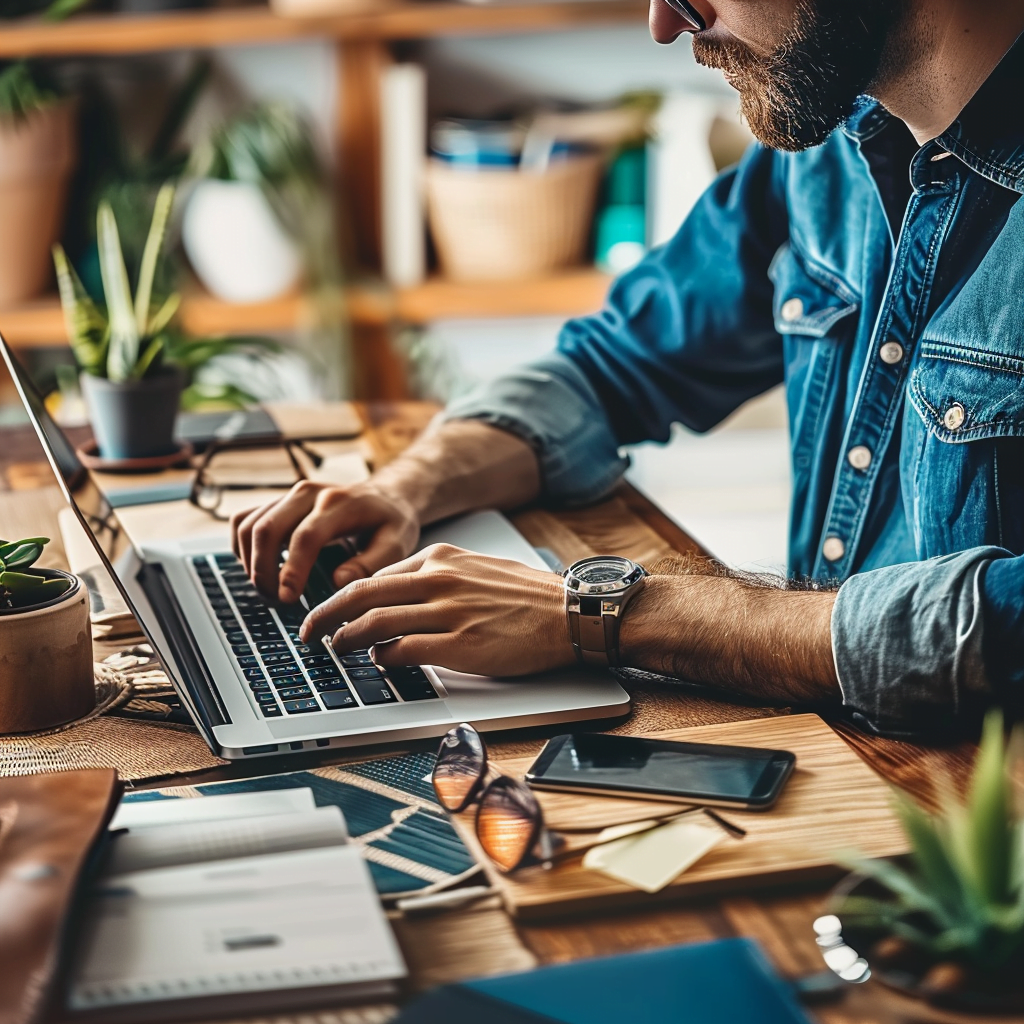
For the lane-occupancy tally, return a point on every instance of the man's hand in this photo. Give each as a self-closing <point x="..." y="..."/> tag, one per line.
<point x="445" y="606"/>
<point x="312" y="515"/>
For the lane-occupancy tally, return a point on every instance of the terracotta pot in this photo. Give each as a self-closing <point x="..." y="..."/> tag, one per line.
<point x="37" y="156"/>
<point x="46" y="673"/>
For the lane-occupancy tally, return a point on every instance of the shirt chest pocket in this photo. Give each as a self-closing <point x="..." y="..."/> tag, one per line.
<point x="813" y="311"/>
<point x="963" y="453"/>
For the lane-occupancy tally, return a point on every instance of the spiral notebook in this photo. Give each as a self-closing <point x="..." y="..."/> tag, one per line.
<point x="230" y="904"/>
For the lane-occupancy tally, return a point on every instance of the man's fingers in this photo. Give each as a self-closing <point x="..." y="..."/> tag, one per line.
<point x="307" y="540"/>
<point x="422" y="649"/>
<point x="382" y="624"/>
<point x="237" y="519"/>
<point x="244" y="534"/>
<point x="270" y="533"/>
<point x="360" y="597"/>
<point x="384" y="550"/>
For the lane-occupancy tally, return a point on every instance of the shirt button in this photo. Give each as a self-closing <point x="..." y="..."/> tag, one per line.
<point x="833" y="549"/>
<point x="954" y="416"/>
<point x="859" y="457"/>
<point x="891" y="353"/>
<point x="792" y="309"/>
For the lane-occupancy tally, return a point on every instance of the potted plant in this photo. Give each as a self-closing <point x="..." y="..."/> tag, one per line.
<point x="134" y="362"/>
<point x="37" y="156"/>
<point x="46" y="673"/>
<point x="946" y="923"/>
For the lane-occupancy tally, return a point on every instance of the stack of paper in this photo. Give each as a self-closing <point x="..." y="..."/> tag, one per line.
<point x="233" y="902"/>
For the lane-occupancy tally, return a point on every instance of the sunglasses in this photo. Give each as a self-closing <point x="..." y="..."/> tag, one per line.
<point x="690" y="13"/>
<point x="509" y="821"/>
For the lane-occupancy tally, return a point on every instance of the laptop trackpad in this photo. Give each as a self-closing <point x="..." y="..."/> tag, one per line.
<point x="390" y="716"/>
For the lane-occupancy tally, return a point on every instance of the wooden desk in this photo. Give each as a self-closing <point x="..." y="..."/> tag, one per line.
<point x="481" y="939"/>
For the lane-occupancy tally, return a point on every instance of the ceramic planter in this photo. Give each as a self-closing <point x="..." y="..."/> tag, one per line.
<point x="134" y="419"/>
<point x="46" y="673"/>
<point x="37" y="156"/>
<point x="235" y="244"/>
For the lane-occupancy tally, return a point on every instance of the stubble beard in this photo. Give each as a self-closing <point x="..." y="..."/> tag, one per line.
<point x="795" y="95"/>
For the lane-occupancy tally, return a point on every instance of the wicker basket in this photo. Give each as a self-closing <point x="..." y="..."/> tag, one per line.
<point x="495" y="224"/>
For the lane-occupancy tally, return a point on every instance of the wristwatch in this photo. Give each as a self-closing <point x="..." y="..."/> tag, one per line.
<point x="597" y="591"/>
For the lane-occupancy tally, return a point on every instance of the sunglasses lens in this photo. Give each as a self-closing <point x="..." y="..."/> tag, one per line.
<point x="461" y="764"/>
<point x="507" y="822"/>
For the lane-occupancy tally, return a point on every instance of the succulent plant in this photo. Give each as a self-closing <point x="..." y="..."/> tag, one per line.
<point x="960" y="898"/>
<point x="21" y="589"/>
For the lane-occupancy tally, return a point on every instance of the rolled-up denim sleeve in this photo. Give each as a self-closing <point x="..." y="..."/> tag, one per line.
<point x="552" y="406"/>
<point x="921" y="649"/>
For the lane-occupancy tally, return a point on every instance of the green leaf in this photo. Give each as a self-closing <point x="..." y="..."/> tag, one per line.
<point x="163" y="315"/>
<point x="20" y="556"/>
<point x="61" y="9"/>
<point x="151" y="256"/>
<point x="154" y="349"/>
<point x="87" y="327"/>
<point x="124" y="335"/>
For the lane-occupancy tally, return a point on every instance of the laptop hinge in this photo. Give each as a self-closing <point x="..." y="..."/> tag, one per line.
<point x="195" y="674"/>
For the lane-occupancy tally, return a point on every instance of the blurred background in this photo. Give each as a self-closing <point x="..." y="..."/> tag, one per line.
<point x="376" y="199"/>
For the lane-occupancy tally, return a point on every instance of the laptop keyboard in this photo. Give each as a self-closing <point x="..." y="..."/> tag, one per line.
<point x="286" y="676"/>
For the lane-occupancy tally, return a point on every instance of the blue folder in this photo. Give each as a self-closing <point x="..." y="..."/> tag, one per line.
<point x="725" y="982"/>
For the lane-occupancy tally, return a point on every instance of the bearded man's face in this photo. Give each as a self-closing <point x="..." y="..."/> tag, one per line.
<point x="799" y="86"/>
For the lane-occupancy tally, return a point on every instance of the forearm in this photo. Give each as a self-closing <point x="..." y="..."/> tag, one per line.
<point x="459" y="466"/>
<point x="757" y="640"/>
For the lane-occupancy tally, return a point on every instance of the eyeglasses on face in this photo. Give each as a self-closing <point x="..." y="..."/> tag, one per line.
<point x="690" y="13"/>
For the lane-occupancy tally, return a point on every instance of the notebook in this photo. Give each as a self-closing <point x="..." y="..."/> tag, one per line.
<point x="231" y="903"/>
<point x="723" y="982"/>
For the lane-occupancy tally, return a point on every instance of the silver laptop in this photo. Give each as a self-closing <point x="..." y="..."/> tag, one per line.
<point x="239" y="667"/>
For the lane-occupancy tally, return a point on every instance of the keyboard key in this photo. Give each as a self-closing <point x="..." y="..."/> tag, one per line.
<point x="272" y="647"/>
<point x="229" y="625"/>
<point x="285" y="669"/>
<point x="249" y="661"/>
<point x="335" y="699"/>
<point x="240" y="649"/>
<point x="257" y="674"/>
<point x="266" y="635"/>
<point x="374" y="692"/>
<point x="365" y="673"/>
<point x="282" y="682"/>
<point x="280" y="658"/>
<point x="265" y="696"/>
<point x="327" y="672"/>
<point x="298" y="707"/>
<point x="412" y="683"/>
<point x="237" y="638"/>
<point x="294" y="692"/>
<point x="270" y="710"/>
<point x="323" y="685"/>
<point x="317" y="661"/>
<point x="356" y="659"/>
<point x="199" y="560"/>
<point x="306" y="649"/>
<point x="259" y="686"/>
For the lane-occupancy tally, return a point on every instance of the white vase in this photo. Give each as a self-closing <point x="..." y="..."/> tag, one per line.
<point x="236" y="245"/>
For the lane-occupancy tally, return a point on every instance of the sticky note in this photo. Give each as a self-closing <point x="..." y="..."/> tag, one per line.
<point x="653" y="859"/>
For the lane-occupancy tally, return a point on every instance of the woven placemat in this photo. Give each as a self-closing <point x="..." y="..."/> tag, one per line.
<point x="137" y="749"/>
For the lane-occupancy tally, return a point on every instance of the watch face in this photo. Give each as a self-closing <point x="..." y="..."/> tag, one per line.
<point x="603" y="570"/>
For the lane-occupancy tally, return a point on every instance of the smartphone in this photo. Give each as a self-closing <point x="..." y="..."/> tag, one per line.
<point x="702" y="773"/>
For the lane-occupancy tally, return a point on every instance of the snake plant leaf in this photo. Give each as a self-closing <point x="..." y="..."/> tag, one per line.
<point x="20" y="556"/>
<point x="152" y="350"/>
<point x="163" y="316"/>
<point x="150" y="258"/>
<point x="87" y="328"/>
<point x="123" y="352"/>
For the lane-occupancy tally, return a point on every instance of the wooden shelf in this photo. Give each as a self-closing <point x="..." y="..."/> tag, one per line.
<point x="176" y="30"/>
<point x="572" y="293"/>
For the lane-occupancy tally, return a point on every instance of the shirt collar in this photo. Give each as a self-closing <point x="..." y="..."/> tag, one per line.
<point x="986" y="137"/>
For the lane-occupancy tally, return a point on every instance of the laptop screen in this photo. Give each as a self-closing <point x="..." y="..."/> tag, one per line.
<point x="92" y="508"/>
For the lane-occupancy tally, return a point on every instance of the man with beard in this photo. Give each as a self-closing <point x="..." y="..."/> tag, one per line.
<point x="869" y="252"/>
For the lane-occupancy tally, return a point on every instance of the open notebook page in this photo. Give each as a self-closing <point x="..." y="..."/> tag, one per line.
<point x="134" y="814"/>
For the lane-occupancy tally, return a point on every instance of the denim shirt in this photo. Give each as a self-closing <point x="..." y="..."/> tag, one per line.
<point x="884" y="284"/>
